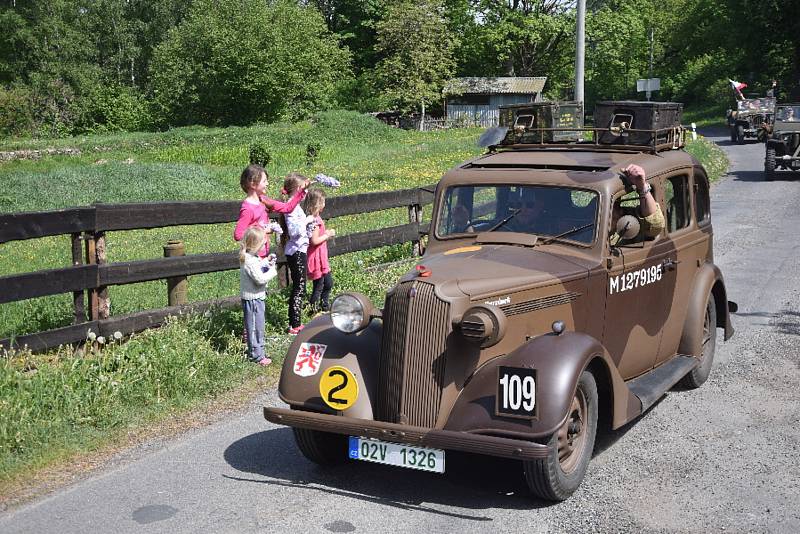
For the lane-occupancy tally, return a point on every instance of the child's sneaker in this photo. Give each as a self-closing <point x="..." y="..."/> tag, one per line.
<point x="264" y="362"/>
<point x="296" y="330"/>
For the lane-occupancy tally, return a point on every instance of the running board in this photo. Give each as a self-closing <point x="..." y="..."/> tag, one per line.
<point x="653" y="384"/>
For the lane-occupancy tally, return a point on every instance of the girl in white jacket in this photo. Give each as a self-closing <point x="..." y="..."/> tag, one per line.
<point x="254" y="273"/>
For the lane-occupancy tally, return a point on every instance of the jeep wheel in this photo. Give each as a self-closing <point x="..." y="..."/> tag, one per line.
<point x="733" y="134"/>
<point x="556" y="477"/>
<point x="698" y="375"/>
<point x="740" y="134"/>
<point x="322" y="448"/>
<point x="769" y="165"/>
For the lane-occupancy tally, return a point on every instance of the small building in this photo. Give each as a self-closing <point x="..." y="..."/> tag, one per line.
<point x="475" y="100"/>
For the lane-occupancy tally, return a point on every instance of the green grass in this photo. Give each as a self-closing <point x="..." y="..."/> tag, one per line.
<point x="706" y="115"/>
<point x="62" y="404"/>
<point x="710" y="155"/>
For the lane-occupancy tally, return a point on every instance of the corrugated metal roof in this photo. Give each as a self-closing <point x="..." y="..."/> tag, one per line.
<point x="495" y="85"/>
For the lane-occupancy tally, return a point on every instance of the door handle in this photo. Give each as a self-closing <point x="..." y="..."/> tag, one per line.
<point x="669" y="264"/>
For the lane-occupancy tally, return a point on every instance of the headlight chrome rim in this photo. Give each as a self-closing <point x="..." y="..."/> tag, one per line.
<point x="351" y="312"/>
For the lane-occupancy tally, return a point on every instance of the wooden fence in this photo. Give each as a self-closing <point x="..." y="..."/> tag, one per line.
<point x="90" y="275"/>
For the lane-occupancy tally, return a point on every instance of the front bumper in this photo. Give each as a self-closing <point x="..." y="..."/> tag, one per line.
<point x="411" y="435"/>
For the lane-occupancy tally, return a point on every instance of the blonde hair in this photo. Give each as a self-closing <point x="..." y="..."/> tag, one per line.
<point x="292" y="183"/>
<point x="252" y="241"/>
<point x="313" y="201"/>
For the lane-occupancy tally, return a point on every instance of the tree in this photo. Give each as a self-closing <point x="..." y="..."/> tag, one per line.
<point x="240" y="61"/>
<point x="416" y="53"/>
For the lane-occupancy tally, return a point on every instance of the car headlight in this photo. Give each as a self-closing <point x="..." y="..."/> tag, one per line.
<point x="351" y="312"/>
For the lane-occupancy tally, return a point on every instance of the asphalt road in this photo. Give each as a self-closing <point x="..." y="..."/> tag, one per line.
<point x="725" y="457"/>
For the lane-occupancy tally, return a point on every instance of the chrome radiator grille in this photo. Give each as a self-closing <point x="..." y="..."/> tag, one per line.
<point x="411" y="372"/>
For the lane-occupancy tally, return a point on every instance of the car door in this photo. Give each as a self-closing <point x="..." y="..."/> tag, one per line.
<point x="636" y="297"/>
<point x="690" y="239"/>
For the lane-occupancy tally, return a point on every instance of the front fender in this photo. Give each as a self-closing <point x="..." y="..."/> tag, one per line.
<point x="358" y="352"/>
<point x="707" y="280"/>
<point x="559" y="361"/>
<point x="778" y="145"/>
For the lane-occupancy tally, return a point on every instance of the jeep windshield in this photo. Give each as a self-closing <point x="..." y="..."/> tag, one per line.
<point x="788" y="113"/>
<point x="560" y="213"/>
<point x="762" y="105"/>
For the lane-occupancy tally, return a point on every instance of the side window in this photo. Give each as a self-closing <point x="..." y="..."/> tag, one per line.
<point x="676" y="202"/>
<point x="701" y="201"/>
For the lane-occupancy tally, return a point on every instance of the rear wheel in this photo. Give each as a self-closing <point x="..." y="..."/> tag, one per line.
<point x="556" y="477"/>
<point x="699" y="374"/>
<point x="322" y="448"/>
<point x="769" y="164"/>
<point x="740" y="134"/>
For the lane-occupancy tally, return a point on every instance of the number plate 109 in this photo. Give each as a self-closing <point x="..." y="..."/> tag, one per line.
<point x="382" y="452"/>
<point x="516" y="391"/>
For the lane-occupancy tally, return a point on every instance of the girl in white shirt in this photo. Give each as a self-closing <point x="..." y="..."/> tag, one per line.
<point x="254" y="273"/>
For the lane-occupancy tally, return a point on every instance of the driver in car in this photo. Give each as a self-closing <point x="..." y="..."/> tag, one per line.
<point x="651" y="218"/>
<point x="528" y="218"/>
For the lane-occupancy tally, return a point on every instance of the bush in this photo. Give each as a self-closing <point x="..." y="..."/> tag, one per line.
<point x="114" y="108"/>
<point x="16" y="111"/>
<point x="241" y="61"/>
<point x="260" y="155"/>
<point x="350" y="125"/>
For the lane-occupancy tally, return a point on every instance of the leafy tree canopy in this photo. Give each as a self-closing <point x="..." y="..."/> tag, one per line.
<point x="239" y="61"/>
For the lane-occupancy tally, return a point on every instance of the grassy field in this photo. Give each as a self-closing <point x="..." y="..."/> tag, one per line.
<point x="59" y="405"/>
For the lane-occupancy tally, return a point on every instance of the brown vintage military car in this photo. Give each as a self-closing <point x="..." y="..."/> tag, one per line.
<point x="532" y="315"/>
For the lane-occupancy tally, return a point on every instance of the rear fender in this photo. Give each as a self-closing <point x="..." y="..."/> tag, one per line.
<point x="707" y="280"/>
<point x="358" y="353"/>
<point x="558" y="361"/>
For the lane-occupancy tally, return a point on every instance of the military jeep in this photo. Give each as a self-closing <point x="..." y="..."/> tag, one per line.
<point x="523" y="326"/>
<point x="750" y="119"/>
<point x="783" y="145"/>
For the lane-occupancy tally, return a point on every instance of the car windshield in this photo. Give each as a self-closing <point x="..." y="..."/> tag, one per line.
<point x="567" y="213"/>
<point x="788" y="113"/>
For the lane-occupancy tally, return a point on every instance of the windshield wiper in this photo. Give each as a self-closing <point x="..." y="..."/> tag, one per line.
<point x="565" y="234"/>
<point x="504" y="220"/>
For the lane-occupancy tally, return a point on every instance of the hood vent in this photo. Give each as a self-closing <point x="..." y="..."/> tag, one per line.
<point x="539" y="304"/>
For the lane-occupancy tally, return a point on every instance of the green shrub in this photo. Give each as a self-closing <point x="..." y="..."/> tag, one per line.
<point x="312" y="153"/>
<point x="241" y="61"/>
<point x="16" y="111"/>
<point x="114" y="108"/>
<point x="260" y="155"/>
<point x="351" y="126"/>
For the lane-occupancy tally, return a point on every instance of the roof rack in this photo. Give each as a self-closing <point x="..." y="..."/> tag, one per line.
<point x="615" y="138"/>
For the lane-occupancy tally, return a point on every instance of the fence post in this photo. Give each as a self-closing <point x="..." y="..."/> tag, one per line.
<point x="91" y="259"/>
<point x="96" y="255"/>
<point x="77" y="296"/>
<point x="178" y="285"/>
<point x="103" y="302"/>
<point x="415" y="216"/>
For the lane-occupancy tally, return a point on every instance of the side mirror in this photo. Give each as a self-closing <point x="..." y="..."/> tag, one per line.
<point x="628" y="227"/>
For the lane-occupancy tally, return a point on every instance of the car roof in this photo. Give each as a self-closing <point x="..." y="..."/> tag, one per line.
<point x="573" y="167"/>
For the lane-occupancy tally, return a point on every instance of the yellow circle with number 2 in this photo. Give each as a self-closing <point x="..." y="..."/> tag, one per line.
<point x="338" y="387"/>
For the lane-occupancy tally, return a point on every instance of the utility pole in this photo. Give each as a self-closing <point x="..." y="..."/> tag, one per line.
<point x="579" y="49"/>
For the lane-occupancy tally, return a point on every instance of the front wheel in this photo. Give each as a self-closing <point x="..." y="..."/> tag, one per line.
<point x="769" y="165"/>
<point x="740" y="134"/>
<point x="558" y="476"/>
<point x="697" y="376"/>
<point x="322" y="448"/>
<point x="733" y="133"/>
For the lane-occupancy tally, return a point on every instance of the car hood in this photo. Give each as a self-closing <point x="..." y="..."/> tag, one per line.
<point x="486" y="270"/>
